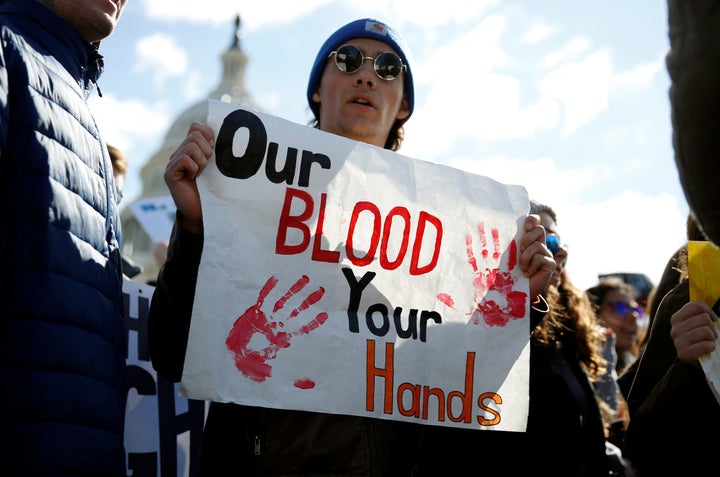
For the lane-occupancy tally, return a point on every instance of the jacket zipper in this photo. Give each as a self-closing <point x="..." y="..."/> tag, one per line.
<point x="256" y="419"/>
<point x="374" y="469"/>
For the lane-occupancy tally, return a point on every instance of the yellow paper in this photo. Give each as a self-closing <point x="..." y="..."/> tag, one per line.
<point x="704" y="275"/>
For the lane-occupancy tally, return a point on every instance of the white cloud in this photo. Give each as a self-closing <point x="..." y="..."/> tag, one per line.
<point x="461" y="60"/>
<point x="161" y="56"/>
<point x="630" y="232"/>
<point x="133" y="126"/>
<point x="487" y="108"/>
<point x="453" y="12"/>
<point x="571" y="49"/>
<point x="127" y="123"/>
<point x="537" y="33"/>
<point x="253" y="14"/>
<point x="638" y="77"/>
<point x="583" y="89"/>
<point x="470" y="97"/>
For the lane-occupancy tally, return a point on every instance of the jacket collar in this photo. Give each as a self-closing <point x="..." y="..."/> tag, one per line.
<point x="79" y="57"/>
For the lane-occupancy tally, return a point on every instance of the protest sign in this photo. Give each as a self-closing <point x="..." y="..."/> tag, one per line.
<point x="704" y="276"/>
<point x="162" y="431"/>
<point x="344" y="278"/>
<point x="155" y="215"/>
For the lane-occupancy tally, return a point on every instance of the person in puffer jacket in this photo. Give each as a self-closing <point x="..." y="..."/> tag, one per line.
<point x="62" y="337"/>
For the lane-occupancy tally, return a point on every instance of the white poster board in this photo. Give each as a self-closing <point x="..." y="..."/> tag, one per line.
<point x="155" y="215"/>
<point x="344" y="278"/>
<point x="162" y="431"/>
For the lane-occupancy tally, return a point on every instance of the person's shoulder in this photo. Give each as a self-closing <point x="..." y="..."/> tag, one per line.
<point x="18" y="9"/>
<point x="28" y="20"/>
<point x="674" y="299"/>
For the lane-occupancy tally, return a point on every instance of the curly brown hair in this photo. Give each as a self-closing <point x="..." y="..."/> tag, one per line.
<point x="572" y="324"/>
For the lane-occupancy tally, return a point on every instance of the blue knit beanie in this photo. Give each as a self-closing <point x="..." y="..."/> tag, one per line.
<point x="363" y="28"/>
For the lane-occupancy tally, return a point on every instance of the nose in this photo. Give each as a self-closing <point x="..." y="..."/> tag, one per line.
<point x="630" y="324"/>
<point x="366" y="73"/>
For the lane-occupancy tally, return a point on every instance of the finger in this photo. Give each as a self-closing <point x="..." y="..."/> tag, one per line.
<point x="539" y="274"/>
<point x="203" y="136"/>
<point x="692" y="354"/>
<point x="199" y="130"/>
<point x="535" y="257"/>
<point x="534" y="232"/>
<point x="693" y="331"/>
<point x="314" y="324"/>
<point x="696" y="328"/>
<point x="186" y="163"/>
<point x="294" y="289"/>
<point x="532" y="221"/>
<point x="691" y="309"/>
<point x="526" y="257"/>
<point x="689" y="350"/>
<point x="312" y="298"/>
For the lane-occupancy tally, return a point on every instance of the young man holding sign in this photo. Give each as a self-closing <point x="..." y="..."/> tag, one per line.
<point x="360" y="88"/>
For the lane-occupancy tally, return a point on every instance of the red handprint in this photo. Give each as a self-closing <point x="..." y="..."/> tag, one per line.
<point x="491" y="280"/>
<point x="252" y="362"/>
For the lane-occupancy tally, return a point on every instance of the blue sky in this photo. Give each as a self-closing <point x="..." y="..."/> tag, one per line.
<point x="568" y="98"/>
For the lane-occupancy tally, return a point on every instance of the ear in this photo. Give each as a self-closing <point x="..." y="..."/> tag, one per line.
<point x="316" y="97"/>
<point x="404" y="110"/>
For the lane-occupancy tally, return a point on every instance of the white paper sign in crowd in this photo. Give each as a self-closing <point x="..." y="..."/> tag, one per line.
<point x="162" y="431"/>
<point x="344" y="278"/>
<point x="156" y="216"/>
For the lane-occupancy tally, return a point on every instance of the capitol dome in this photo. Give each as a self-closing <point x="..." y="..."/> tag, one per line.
<point x="137" y="244"/>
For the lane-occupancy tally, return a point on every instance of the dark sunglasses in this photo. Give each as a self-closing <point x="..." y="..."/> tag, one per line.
<point x="350" y="58"/>
<point x="622" y="308"/>
<point x="553" y="243"/>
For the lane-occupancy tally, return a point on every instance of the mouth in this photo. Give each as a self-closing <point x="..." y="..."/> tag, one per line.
<point x="363" y="100"/>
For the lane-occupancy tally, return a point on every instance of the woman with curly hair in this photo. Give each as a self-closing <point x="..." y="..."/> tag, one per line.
<point x="565" y="433"/>
<point x="568" y="349"/>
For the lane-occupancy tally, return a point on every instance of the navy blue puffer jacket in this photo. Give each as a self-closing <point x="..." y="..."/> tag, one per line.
<point x="62" y="339"/>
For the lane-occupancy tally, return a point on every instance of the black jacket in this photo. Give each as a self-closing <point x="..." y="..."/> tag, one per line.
<point x="672" y="407"/>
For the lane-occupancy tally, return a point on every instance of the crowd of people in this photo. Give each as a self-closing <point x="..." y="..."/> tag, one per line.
<point x="622" y="403"/>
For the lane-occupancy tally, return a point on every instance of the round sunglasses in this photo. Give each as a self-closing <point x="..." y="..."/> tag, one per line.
<point x="350" y="58"/>
<point x="553" y="243"/>
<point x="623" y="309"/>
